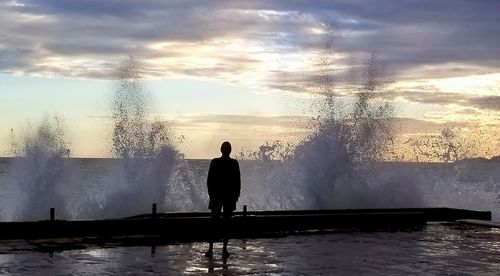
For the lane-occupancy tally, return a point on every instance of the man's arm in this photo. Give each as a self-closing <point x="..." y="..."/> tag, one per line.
<point x="210" y="179"/>
<point x="238" y="180"/>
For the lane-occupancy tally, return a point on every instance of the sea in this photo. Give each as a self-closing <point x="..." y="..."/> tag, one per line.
<point x="83" y="188"/>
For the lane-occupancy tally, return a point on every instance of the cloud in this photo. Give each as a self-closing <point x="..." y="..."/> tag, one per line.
<point x="83" y="38"/>
<point x="487" y="102"/>
<point x="412" y="126"/>
<point x="276" y="127"/>
<point x="446" y="98"/>
<point x="248" y="122"/>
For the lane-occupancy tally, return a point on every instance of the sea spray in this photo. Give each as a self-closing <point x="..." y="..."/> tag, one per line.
<point x="458" y="179"/>
<point x="342" y="163"/>
<point x="333" y="167"/>
<point x="146" y="167"/>
<point x="150" y="169"/>
<point x="39" y="172"/>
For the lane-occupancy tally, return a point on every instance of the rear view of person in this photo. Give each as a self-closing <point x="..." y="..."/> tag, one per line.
<point x="224" y="186"/>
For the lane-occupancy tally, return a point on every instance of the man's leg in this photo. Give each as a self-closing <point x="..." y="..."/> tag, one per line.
<point x="215" y="218"/>
<point x="228" y="213"/>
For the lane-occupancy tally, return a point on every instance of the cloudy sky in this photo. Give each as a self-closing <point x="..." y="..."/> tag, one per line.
<point x="244" y="70"/>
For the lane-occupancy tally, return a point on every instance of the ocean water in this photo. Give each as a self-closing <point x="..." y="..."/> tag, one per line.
<point x="437" y="249"/>
<point x="86" y="186"/>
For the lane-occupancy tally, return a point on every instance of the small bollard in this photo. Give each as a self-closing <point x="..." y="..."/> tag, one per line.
<point x="153" y="214"/>
<point x="52" y="214"/>
<point x="244" y="210"/>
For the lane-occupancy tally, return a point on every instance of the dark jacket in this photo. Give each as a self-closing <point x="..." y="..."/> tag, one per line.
<point x="223" y="182"/>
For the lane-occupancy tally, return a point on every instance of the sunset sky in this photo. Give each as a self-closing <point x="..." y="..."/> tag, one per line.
<point x="241" y="70"/>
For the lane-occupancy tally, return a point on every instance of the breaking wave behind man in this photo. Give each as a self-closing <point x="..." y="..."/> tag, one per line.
<point x="40" y="172"/>
<point x="335" y="166"/>
<point x="150" y="169"/>
<point x="345" y="161"/>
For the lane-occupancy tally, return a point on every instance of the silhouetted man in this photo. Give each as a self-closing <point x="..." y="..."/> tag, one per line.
<point x="224" y="186"/>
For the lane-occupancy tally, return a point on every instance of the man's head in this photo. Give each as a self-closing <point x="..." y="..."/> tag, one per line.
<point x="225" y="148"/>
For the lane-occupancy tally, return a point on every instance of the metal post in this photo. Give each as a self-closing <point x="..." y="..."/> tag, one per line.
<point x="52" y="214"/>
<point x="244" y="210"/>
<point x="153" y="215"/>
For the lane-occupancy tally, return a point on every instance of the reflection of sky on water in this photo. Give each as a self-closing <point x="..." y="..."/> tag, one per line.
<point x="247" y="257"/>
<point x="97" y="253"/>
<point x="437" y="249"/>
